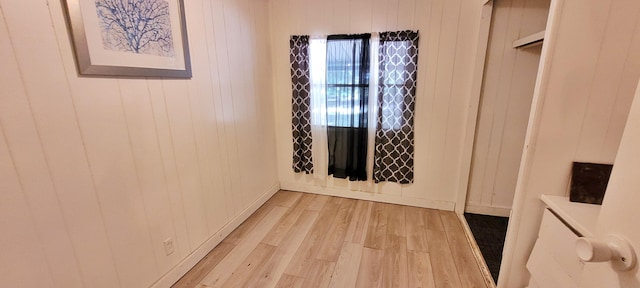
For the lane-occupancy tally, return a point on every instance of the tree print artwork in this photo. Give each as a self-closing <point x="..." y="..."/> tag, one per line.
<point x="136" y="26"/>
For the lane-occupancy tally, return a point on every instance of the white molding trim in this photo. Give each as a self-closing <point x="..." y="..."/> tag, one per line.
<point x="190" y="261"/>
<point x="482" y="264"/>
<point x="507" y="271"/>
<point x="529" y="40"/>
<point x="392" y="199"/>
<point x="474" y="104"/>
<point x="488" y="210"/>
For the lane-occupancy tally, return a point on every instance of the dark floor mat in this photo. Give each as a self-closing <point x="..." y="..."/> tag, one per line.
<point x="489" y="232"/>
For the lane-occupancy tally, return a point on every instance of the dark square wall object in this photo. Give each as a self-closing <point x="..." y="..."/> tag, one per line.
<point x="589" y="182"/>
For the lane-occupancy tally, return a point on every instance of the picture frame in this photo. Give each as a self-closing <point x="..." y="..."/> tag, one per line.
<point x="109" y="40"/>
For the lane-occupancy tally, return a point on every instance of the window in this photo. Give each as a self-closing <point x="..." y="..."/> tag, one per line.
<point x="355" y="86"/>
<point x="347" y="80"/>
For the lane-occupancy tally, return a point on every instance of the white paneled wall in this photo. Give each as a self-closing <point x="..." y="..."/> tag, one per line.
<point x="591" y="65"/>
<point x="448" y="38"/>
<point x="95" y="173"/>
<point x="509" y="79"/>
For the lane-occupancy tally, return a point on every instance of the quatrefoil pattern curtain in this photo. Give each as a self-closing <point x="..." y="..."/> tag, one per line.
<point x="301" y="103"/>
<point x="398" y="62"/>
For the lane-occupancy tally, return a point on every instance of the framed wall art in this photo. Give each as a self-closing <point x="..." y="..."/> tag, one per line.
<point x="140" y="38"/>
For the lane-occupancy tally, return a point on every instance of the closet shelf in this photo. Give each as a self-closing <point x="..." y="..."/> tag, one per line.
<point x="529" y="40"/>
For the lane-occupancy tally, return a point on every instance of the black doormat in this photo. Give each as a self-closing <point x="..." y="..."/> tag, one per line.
<point x="489" y="232"/>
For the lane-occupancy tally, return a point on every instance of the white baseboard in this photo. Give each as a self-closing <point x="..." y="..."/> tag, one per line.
<point x="488" y="210"/>
<point x="393" y="199"/>
<point x="190" y="261"/>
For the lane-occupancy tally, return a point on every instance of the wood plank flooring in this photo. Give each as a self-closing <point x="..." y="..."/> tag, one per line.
<point x="306" y="240"/>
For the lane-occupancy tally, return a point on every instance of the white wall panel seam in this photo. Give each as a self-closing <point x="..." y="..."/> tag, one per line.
<point x="451" y="84"/>
<point x="626" y="67"/>
<point x="591" y="83"/>
<point x="86" y="157"/>
<point x="173" y="152"/>
<point x="49" y="275"/>
<point x="500" y="138"/>
<point x="144" y="202"/>
<point x="164" y="172"/>
<point x="234" y="153"/>
<point x="26" y="201"/>
<point x="222" y="148"/>
<point x="22" y="85"/>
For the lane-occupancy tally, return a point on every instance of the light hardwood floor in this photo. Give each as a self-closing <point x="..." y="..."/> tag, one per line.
<point x="306" y="240"/>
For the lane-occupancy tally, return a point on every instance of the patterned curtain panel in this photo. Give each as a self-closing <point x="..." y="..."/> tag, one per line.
<point x="398" y="63"/>
<point x="300" y="104"/>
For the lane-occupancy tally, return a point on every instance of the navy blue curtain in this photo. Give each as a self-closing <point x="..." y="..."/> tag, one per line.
<point x="347" y="93"/>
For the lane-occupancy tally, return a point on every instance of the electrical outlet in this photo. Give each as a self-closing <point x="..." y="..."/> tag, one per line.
<point x="168" y="246"/>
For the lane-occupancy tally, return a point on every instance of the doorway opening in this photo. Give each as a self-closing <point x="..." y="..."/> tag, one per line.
<point x="508" y="81"/>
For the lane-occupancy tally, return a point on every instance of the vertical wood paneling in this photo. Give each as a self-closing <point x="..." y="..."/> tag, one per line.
<point x="215" y="102"/>
<point x="318" y="15"/>
<point x="627" y="87"/>
<point x="263" y="96"/>
<point x="21" y="262"/>
<point x="32" y="170"/>
<point x="502" y="98"/>
<point x="360" y="18"/>
<point x="392" y="15"/>
<point x="249" y="37"/>
<point x="565" y="107"/>
<point x="486" y="108"/>
<point x="108" y="148"/>
<point x="15" y="261"/>
<point x="471" y="29"/>
<point x="153" y="185"/>
<point x="378" y="16"/>
<point x="432" y="64"/>
<point x="535" y="16"/>
<point x="112" y="164"/>
<point x="255" y="48"/>
<point x="424" y="103"/>
<point x="176" y="101"/>
<point x="279" y="21"/>
<point x="156" y="99"/>
<point x="215" y="215"/>
<point x="515" y="128"/>
<point x="505" y="102"/>
<point x="226" y="107"/>
<point x="610" y="68"/>
<point x="57" y="125"/>
<point x="264" y="106"/>
<point x="444" y="70"/>
<point x="98" y="172"/>
<point x="445" y="41"/>
<point x="341" y="14"/>
<point x="109" y="153"/>
<point x="406" y="13"/>
<point x="300" y="18"/>
<point x="204" y="118"/>
<point x="238" y="101"/>
<point x="456" y="100"/>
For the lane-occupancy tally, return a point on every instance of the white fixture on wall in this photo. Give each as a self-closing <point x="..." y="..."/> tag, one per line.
<point x="168" y="246"/>
<point x="614" y="248"/>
